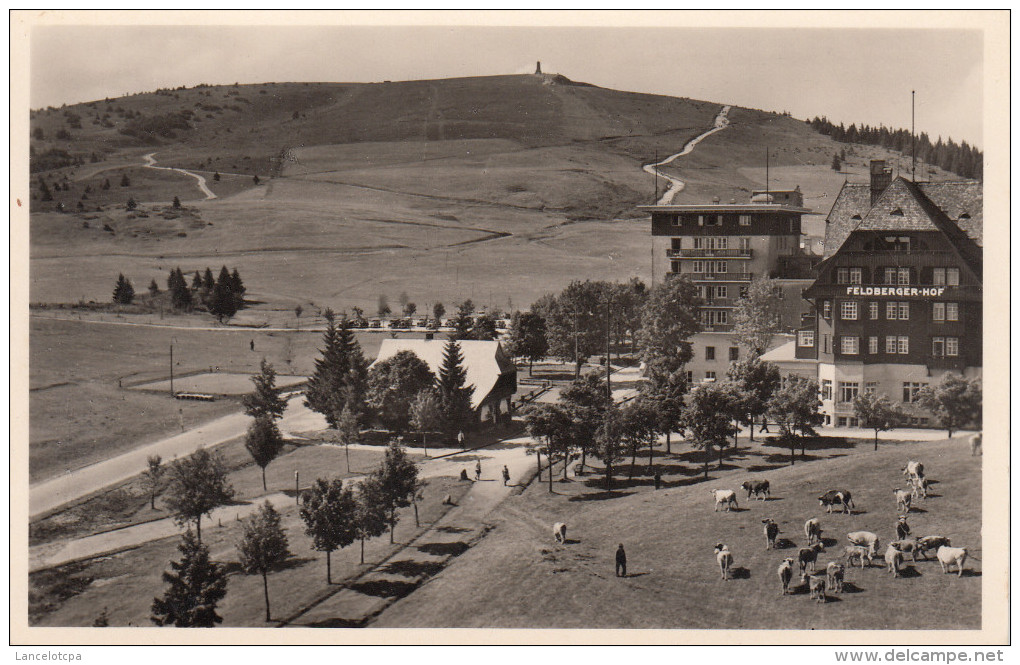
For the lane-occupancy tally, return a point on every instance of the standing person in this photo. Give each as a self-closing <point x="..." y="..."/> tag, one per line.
<point x="658" y="479"/>
<point x="902" y="528"/>
<point x="764" y="426"/>
<point x="621" y="562"/>
<point x="506" y="476"/>
<point x="460" y="438"/>
<point x="252" y="344"/>
<point x="478" y="470"/>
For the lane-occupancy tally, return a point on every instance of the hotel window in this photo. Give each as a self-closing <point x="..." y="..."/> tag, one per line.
<point x="870" y="386"/>
<point x="946" y="276"/>
<point x="720" y="243"/>
<point x="745" y="220"/>
<point x="710" y="376"/>
<point x="826" y="340"/>
<point x="897" y="310"/>
<point x="848" y="390"/>
<point x="952" y="311"/>
<point x="890" y="275"/>
<point x="699" y="242"/>
<point x="805" y="338"/>
<point x="826" y="389"/>
<point x="952" y="346"/>
<point x="745" y="244"/>
<point x="699" y="266"/>
<point x="842" y="275"/>
<point x="720" y="266"/>
<point x="910" y="390"/>
<point x="709" y="353"/>
<point x="903" y="276"/>
<point x="938" y="311"/>
<point x="938" y="346"/>
<point x="701" y="291"/>
<point x="856" y="276"/>
<point x="872" y="345"/>
<point x="721" y="291"/>
<point x="676" y="267"/>
<point x="891" y="310"/>
<point x="701" y="220"/>
<point x="734" y="354"/>
<point x="890" y="344"/>
<point x="902" y="344"/>
<point x="848" y="310"/>
<point x="675" y="220"/>
<point x="826" y="309"/>
<point x="722" y="318"/>
<point x="873" y="310"/>
<point x="904" y="311"/>
<point x="849" y="345"/>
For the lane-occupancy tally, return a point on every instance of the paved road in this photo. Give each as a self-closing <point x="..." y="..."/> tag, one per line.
<point x="50" y="494"/>
<point x="676" y="185"/>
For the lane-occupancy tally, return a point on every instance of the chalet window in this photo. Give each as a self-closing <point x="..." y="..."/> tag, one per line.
<point x="805" y="338"/>
<point x="734" y="354"/>
<point x="709" y="353"/>
<point x="842" y="275"/>
<point x="903" y="276"/>
<point x="938" y="311"/>
<point x="952" y="311"/>
<point x="848" y="390"/>
<point x="873" y="310"/>
<point x="890" y="275"/>
<point x="903" y="344"/>
<point x="849" y="345"/>
<point x="904" y="311"/>
<point x="855" y="276"/>
<point x="873" y="345"/>
<point x="910" y="390"/>
<point x="826" y="389"/>
<point x="745" y="220"/>
<point x="710" y="376"/>
<point x="890" y="344"/>
<point x="721" y="291"/>
<point x="938" y="346"/>
<point x="826" y="309"/>
<point x="952" y="276"/>
<point x="952" y="346"/>
<point x="848" y="310"/>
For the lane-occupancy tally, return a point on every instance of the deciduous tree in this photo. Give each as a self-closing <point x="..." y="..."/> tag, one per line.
<point x="263" y="547"/>
<point x="263" y="442"/>
<point x="757" y="317"/>
<point x="426" y="415"/>
<point x="955" y="402"/>
<point x="330" y="513"/>
<point x="392" y="385"/>
<point x="398" y="478"/>
<point x="527" y="338"/>
<point x="876" y="412"/>
<point x="795" y="408"/>
<point x="668" y="321"/>
<point x="372" y="514"/>
<point x="153" y="476"/>
<point x="197" y="484"/>
<point x="707" y="419"/>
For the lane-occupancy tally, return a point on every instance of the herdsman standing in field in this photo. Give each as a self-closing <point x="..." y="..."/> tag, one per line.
<point x="621" y="562"/>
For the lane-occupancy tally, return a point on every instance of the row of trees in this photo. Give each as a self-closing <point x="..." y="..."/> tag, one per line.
<point x="222" y="296"/>
<point x="959" y="158"/>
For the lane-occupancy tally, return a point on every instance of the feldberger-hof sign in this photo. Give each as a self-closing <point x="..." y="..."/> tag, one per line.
<point x="900" y="291"/>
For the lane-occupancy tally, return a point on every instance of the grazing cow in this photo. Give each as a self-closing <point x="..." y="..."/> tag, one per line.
<point x="808" y="555"/>
<point x="758" y="488"/>
<point x="834" y="573"/>
<point x="951" y="556"/>
<point x="724" y="559"/>
<point x="813" y="530"/>
<point x="902" y="500"/>
<point x="902" y="528"/>
<point x="560" y="532"/>
<point x="816" y="586"/>
<point x="913" y="470"/>
<point x="865" y="538"/>
<point x="771" y="531"/>
<point x="727" y="497"/>
<point x="785" y="572"/>
<point x="907" y="546"/>
<point x="919" y="487"/>
<point x="893" y="560"/>
<point x="975" y="444"/>
<point x="859" y="552"/>
<point x="840" y="498"/>
<point x="927" y="543"/>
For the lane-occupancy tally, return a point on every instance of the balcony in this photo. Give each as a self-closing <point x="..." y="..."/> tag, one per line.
<point x="721" y="276"/>
<point x="688" y="253"/>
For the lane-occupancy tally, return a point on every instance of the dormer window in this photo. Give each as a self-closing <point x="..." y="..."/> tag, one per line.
<point x="896" y="212"/>
<point x="856" y="218"/>
<point x="965" y="215"/>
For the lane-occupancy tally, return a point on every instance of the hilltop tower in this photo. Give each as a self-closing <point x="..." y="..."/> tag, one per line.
<point x="538" y="67"/>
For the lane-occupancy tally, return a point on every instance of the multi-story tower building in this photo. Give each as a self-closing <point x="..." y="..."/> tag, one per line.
<point x="897" y="301"/>
<point x="722" y="248"/>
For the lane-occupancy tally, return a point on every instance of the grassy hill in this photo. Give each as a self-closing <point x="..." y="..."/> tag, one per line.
<point x="493" y="188"/>
<point x="517" y="577"/>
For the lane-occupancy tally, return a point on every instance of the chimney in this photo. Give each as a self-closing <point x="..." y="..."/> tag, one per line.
<point x="881" y="176"/>
<point x="538" y="67"/>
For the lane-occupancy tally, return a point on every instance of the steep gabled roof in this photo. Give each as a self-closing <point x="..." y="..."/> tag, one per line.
<point x="851" y="205"/>
<point x="485" y="362"/>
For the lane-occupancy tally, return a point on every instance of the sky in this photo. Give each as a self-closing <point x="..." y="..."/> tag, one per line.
<point x="848" y="75"/>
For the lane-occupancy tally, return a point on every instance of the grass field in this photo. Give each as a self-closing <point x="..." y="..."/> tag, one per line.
<point x="217" y="383"/>
<point x="673" y="580"/>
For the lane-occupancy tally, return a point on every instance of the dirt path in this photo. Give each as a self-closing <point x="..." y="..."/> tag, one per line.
<point x="676" y="185"/>
<point x="150" y="163"/>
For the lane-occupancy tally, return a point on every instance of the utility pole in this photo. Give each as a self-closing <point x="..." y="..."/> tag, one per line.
<point x="171" y="369"/>
<point x="655" y="170"/>
<point x="913" y="158"/>
<point x="766" y="173"/>
<point x="609" y="389"/>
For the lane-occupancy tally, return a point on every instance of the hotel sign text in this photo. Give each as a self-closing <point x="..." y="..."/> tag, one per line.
<point x="899" y="291"/>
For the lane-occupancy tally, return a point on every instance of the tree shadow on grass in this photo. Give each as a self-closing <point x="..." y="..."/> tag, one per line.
<point x="336" y="622"/>
<point x="384" y="588"/>
<point x="444" y="549"/>
<point x="289" y="564"/>
<point x="599" y="496"/>
<point x="452" y="529"/>
<point x="409" y="568"/>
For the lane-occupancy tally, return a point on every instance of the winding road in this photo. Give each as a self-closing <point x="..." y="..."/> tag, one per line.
<point x="676" y="185"/>
<point x="150" y="163"/>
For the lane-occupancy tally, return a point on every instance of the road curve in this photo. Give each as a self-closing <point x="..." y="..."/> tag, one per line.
<point x="676" y="185"/>
<point x="150" y="163"/>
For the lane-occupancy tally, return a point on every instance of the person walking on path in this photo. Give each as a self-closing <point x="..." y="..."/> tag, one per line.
<point x="506" y="476"/>
<point x="621" y="562"/>
<point x="478" y="470"/>
<point x="460" y="439"/>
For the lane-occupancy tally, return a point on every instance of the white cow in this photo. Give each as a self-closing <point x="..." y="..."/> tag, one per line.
<point x="975" y="444"/>
<point x="913" y="470"/>
<point x="560" y="532"/>
<point x="771" y="531"/>
<point x="727" y="497"/>
<point x="724" y="559"/>
<point x="834" y="573"/>
<point x="902" y="500"/>
<point x="813" y="530"/>
<point x="952" y="556"/>
<point x="785" y="572"/>
<point x="859" y="552"/>
<point x="927" y="543"/>
<point x="893" y="560"/>
<point x="816" y="586"/>
<point x="866" y="539"/>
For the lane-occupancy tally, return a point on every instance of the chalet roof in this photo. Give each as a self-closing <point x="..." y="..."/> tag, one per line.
<point x="485" y="362"/>
<point x="924" y="206"/>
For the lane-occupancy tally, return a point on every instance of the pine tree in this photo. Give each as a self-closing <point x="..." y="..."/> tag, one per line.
<point x="340" y="376"/>
<point x="131" y="203"/>
<point x="224" y="301"/>
<point x="454" y="397"/>
<point x="125" y="181"/>
<point x="123" y="292"/>
<point x="196" y="282"/>
<point x="153" y="476"/>
<point x="196" y="585"/>
<point x="263" y="547"/>
<point x="106" y="184"/>
<point x="836" y="164"/>
<point x="177" y="203"/>
<point x="180" y="294"/>
<point x="44" y="190"/>
<point x="153" y="288"/>
<point x="236" y="284"/>
<point x="209" y="282"/>
<point x="265" y="400"/>
<point x="330" y="513"/>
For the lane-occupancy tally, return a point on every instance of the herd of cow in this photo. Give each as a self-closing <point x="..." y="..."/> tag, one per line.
<point x="863" y="545"/>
